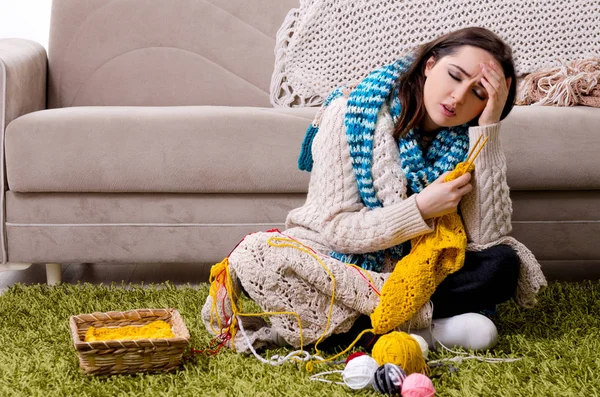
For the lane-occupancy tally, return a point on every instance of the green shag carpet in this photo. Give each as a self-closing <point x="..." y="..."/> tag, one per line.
<point x="558" y="341"/>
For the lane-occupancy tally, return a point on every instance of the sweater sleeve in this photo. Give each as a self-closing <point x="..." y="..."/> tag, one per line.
<point x="487" y="209"/>
<point x="334" y="207"/>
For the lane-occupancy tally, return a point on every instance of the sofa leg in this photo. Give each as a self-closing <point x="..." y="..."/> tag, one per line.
<point x="53" y="273"/>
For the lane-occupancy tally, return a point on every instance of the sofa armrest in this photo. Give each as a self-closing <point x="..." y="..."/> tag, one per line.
<point x="23" y="69"/>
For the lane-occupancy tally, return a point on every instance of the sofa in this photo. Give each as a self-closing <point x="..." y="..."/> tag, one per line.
<point x="147" y="135"/>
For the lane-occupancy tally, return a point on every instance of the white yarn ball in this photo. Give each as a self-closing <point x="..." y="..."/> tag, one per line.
<point x="359" y="372"/>
<point x="423" y="344"/>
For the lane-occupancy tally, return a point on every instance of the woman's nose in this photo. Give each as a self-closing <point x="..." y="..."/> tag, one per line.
<point x="460" y="93"/>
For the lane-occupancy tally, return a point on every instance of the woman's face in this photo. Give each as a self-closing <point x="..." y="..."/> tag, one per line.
<point x="453" y="94"/>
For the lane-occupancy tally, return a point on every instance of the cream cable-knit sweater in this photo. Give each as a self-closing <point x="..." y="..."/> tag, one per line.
<point x="334" y="213"/>
<point x="334" y="218"/>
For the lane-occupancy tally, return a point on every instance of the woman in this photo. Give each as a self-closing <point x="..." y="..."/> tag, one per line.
<point x="379" y="152"/>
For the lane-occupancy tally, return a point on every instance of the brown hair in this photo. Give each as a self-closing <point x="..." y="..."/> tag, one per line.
<point x="411" y="82"/>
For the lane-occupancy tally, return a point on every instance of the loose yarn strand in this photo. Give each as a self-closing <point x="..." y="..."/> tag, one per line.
<point x="229" y="329"/>
<point x="346" y="350"/>
<point x="276" y="360"/>
<point x="467" y="356"/>
<point x="369" y="280"/>
<point x="301" y="247"/>
<point x="318" y="377"/>
<point x="217" y="272"/>
<point x="234" y="309"/>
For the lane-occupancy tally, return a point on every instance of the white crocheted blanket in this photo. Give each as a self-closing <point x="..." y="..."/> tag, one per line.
<point x="328" y="43"/>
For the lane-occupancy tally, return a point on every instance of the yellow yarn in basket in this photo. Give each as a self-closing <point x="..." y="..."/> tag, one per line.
<point x="155" y="330"/>
<point x="401" y="349"/>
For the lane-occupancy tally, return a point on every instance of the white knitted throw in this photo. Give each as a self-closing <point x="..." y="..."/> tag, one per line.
<point x="325" y="44"/>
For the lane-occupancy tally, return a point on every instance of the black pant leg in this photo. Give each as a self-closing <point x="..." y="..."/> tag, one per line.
<point x="487" y="278"/>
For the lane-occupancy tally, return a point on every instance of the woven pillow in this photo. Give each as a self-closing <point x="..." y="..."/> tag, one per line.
<point x="328" y="43"/>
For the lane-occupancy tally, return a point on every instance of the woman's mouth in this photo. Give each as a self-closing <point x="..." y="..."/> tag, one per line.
<point x="448" y="111"/>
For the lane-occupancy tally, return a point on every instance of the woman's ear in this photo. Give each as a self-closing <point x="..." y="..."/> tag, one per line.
<point x="429" y="65"/>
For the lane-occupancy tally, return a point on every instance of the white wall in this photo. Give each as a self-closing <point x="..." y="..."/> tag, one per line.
<point x="27" y="19"/>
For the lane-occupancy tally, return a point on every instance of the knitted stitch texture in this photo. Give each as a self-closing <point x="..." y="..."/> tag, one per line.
<point x="327" y="43"/>
<point x="286" y="279"/>
<point x="335" y="217"/>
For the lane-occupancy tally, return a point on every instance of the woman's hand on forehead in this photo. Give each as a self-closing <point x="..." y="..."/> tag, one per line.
<point x="497" y="87"/>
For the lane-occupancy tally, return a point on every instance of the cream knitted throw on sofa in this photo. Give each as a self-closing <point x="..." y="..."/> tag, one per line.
<point x="325" y="44"/>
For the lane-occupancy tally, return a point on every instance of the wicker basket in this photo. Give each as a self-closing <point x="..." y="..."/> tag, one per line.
<point x="129" y="356"/>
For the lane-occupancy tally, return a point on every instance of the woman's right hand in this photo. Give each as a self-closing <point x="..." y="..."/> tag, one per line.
<point x="441" y="198"/>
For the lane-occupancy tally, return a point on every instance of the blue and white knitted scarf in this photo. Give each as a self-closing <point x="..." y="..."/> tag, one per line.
<point x="448" y="149"/>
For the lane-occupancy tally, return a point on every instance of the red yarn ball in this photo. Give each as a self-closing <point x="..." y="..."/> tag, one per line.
<point x="354" y="355"/>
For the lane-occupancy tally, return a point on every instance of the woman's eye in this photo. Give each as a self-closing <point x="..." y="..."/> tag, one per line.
<point x="453" y="76"/>
<point x="478" y="95"/>
<point x="476" y="92"/>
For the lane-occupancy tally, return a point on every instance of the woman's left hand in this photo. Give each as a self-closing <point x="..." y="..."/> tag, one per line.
<point x="497" y="88"/>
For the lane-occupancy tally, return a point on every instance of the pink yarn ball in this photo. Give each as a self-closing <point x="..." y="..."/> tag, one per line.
<point x="417" y="385"/>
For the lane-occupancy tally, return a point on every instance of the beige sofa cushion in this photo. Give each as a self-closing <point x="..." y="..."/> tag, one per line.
<point x="203" y="149"/>
<point x="162" y="52"/>
<point x="251" y="150"/>
<point x="552" y="148"/>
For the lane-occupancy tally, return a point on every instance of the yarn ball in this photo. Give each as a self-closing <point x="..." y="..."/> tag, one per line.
<point x="359" y="372"/>
<point x="401" y="349"/>
<point x="423" y="343"/>
<point x="354" y="355"/>
<point x="417" y="385"/>
<point x="388" y="379"/>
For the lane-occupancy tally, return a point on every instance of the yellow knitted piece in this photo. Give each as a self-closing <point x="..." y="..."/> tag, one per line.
<point x="154" y="330"/>
<point x="416" y="276"/>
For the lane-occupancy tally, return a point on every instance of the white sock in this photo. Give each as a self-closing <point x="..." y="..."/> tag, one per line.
<point x="469" y="330"/>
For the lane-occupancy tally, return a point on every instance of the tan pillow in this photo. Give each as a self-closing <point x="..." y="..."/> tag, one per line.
<point x="328" y="43"/>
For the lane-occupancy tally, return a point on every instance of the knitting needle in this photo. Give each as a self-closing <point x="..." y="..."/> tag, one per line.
<point x="473" y="149"/>
<point x="477" y="153"/>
